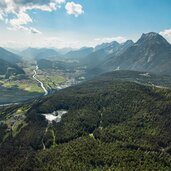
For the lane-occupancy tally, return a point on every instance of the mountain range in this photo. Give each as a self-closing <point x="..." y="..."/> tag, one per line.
<point x="104" y="51"/>
<point x="151" y="53"/>
<point x="80" y="53"/>
<point x="9" y="56"/>
<point x="9" y="63"/>
<point x="40" y="53"/>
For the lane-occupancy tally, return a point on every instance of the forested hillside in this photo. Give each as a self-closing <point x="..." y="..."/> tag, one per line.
<point x="110" y="124"/>
<point x="9" y="69"/>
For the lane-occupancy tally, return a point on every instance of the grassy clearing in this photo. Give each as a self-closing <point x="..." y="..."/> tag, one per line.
<point x="26" y="85"/>
<point x="51" y="80"/>
<point x="17" y="91"/>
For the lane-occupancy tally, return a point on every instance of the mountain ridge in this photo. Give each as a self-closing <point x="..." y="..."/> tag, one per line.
<point x="9" y="56"/>
<point x="151" y="53"/>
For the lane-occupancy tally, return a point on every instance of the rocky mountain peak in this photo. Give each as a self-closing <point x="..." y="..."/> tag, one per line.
<point x="152" y="38"/>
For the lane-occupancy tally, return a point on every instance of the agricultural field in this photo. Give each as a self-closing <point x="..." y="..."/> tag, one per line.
<point x="51" y="80"/>
<point x="16" y="89"/>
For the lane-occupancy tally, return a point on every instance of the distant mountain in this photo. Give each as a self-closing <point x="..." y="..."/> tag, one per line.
<point x="15" y="51"/>
<point x="100" y="53"/>
<point x="9" y="63"/>
<point x="42" y="53"/>
<point x="123" y="47"/>
<point x="9" y="56"/>
<point x="79" y="54"/>
<point x="105" y="51"/>
<point x="103" y="45"/>
<point x="151" y="53"/>
<point x="45" y="64"/>
<point x="58" y="64"/>
<point x="8" y="69"/>
<point x="64" y="51"/>
<point x="29" y="52"/>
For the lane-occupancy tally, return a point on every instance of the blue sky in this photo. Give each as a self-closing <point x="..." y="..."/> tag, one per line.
<point x="114" y="17"/>
<point x="92" y="22"/>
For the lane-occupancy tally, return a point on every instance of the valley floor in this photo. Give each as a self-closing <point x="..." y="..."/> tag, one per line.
<point x="32" y="86"/>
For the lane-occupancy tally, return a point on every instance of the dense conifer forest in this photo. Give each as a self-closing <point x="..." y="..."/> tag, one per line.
<point x="111" y="124"/>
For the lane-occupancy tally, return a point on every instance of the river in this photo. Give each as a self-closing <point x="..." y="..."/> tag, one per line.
<point x="41" y="84"/>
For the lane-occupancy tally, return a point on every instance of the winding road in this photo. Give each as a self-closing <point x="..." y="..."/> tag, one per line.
<point x="41" y="84"/>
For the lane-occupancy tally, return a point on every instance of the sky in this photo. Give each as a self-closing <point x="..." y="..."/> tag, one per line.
<point x="78" y="23"/>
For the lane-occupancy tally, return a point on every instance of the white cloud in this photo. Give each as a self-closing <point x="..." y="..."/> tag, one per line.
<point x="166" y="34"/>
<point x="119" y="39"/>
<point x="74" y="9"/>
<point x="1" y="17"/>
<point x="79" y="41"/>
<point x="19" y="8"/>
<point x="1" y="13"/>
<point x="59" y="40"/>
<point x="23" y="28"/>
<point x="15" y="12"/>
<point x="22" y="19"/>
<point x="35" y="31"/>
